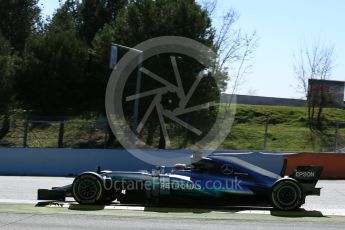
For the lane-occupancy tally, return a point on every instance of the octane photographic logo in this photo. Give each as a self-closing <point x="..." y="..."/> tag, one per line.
<point x="173" y="94"/>
<point x="230" y="185"/>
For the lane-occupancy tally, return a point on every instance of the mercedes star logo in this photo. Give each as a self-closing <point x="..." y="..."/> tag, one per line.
<point x="227" y="169"/>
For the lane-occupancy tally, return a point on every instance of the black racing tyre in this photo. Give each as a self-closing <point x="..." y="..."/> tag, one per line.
<point x="287" y="194"/>
<point x="87" y="188"/>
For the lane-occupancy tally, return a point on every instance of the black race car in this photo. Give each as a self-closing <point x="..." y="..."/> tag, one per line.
<point x="219" y="179"/>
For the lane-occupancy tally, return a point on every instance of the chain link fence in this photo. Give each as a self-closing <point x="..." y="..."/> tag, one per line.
<point x="18" y="131"/>
<point x="279" y="137"/>
<point x="21" y="132"/>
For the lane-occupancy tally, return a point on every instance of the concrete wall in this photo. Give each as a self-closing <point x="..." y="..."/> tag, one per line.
<point x="64" y="162"/>
<point x="70" y="162"/>
<point x="258" y="100"/>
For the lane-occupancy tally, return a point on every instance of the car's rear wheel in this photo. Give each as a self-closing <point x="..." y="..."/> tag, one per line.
<point x="287" y="195"/>
<point x="88" y="188"/>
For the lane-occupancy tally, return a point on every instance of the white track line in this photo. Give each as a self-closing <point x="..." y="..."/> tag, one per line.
<point x="306" y="213"/>
<point x="324" y="212"/>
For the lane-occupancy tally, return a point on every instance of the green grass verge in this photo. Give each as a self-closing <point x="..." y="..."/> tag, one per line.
<point x="287" y="131"/>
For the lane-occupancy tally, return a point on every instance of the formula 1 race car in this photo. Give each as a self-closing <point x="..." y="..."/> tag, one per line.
<point x="219" y="179"/>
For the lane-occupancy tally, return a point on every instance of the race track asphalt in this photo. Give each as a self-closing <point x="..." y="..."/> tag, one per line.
<point x="18" y="211"/>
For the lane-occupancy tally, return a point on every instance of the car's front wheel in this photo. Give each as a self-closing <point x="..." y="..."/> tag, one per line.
<point x="87" y="188"/>
<point x="287" y="195"/>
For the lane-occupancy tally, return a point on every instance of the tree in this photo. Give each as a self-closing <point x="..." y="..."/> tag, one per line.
<point x="94" y="14"/>
<point x="145" y="19"/>
<point x="9" y="64"/>
<point x="315" y="62"/>
<point x="5" y="73"/>
<point x="88" y="16"/>
<point x="234" y="49"/>
<point x="52" y="79"/>
<point x="18" y="19"/>
<point x="65" y="18"/>
<point x="60" y="73"/>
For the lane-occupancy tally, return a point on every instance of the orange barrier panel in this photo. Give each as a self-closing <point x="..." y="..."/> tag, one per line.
<point x="333" y="163"/>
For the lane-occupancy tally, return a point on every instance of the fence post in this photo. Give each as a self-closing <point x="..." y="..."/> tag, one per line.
<point x="266" y="132"/>
<point x="26" y="128"/>
<point x="336" y="136"/>
<point x="61" y="134"/>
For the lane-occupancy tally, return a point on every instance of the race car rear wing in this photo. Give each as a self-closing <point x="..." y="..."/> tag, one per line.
<point x="308" y="176"/>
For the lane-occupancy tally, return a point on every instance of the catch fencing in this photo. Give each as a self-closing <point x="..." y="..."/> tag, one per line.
<point x="19" y="131"/>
